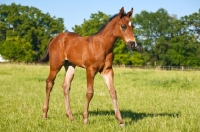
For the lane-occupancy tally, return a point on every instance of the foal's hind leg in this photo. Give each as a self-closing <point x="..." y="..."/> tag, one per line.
<point x="108" y="77"/>
<point x="66" y="87"/>
<point x="49" y="86"/>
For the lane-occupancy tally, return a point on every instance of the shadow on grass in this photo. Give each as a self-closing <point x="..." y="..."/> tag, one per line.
<point x="134" y="116"/>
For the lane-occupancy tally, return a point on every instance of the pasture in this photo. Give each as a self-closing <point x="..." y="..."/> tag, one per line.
<point x="149" y="100"/>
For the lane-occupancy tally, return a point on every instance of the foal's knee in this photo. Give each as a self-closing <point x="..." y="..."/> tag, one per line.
<point x="49" y="84"/>
<point x="89" y="95"/>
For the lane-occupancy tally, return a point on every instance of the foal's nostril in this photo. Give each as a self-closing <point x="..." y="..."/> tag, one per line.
<point x="131" y="44"/>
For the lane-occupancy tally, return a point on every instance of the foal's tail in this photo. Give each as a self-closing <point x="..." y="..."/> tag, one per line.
<point x="45" y="58"/>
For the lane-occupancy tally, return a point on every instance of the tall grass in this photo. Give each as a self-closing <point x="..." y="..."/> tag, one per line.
<point x="149" y="100"/>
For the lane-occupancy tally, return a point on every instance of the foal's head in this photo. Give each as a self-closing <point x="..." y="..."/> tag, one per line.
<point x="125" y="28"/>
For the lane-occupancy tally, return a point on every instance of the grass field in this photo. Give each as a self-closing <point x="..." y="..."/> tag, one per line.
<point x="149" y="100"/>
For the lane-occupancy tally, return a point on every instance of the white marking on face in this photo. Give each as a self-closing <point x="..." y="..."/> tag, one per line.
<point x="129" y="23"/>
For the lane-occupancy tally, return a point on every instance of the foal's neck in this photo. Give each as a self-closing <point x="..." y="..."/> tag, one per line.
<point x="107" y="36"/>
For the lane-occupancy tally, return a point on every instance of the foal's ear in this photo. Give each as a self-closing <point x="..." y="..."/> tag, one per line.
<point x="121" y="12"/>
<point x="129" y="14"/>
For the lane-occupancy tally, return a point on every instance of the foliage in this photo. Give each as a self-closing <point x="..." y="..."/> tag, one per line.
<point x="16" y="49"/>
<point x="91" y="26"/>
<point x="167" y="40"/>
<point x="27" y="30"/>
<point x="123" y="56"/>
<point x="149" y="100"/>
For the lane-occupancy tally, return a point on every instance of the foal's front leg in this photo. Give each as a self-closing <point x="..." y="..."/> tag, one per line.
<point x="108" y="75"/>
<point x="89" y="94"/>
<point x="66" y="88"/>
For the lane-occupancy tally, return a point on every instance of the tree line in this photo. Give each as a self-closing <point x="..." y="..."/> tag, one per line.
<point x="163" y="39"/>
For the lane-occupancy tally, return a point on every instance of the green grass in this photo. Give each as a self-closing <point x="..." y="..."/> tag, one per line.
<point x="149" y="100"/>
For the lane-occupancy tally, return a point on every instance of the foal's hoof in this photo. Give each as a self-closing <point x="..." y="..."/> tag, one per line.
<point x="71" y="118"/>
<point x="122" y="125"/>
<point x="44" y="116"/>
<point x="85" y="121"/>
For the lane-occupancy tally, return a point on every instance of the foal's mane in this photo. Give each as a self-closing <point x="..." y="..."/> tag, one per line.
<point x="109" y="20"/>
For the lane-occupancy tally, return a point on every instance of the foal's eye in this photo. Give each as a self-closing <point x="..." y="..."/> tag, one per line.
<point x="123" y="27"/>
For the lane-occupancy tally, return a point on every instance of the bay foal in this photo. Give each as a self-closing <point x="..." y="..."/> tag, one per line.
<point x="94" y="53"/>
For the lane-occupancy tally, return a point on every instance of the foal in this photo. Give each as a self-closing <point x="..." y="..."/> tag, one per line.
<point x="94" y="53"/>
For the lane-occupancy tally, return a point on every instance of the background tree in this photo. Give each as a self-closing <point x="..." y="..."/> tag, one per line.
<point x="167" y="40"/>
<point x="28" y="29"/>
<point x="18" y="50"/>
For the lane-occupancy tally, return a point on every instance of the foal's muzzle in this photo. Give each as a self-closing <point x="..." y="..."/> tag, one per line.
<point x="131" y="45"/>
